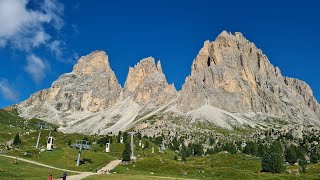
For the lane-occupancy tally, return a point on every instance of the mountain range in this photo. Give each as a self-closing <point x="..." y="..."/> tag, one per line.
<point x="232" y="84"/>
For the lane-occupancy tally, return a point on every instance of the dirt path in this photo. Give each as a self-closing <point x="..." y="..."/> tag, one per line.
<point x="80" y="176"/>
<point x="111" y="165"/>
<point x="105" y="170"/>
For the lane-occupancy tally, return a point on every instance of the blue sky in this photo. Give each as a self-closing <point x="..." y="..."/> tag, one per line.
<point x="40" y="40"/>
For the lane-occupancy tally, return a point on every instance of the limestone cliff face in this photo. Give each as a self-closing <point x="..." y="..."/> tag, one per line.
<point x="91" y="86"/>
<point x="231" y="73"/>
<point x="146" y="83"/>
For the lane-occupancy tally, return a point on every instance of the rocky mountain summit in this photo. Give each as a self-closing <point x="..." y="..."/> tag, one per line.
<point x="232" y="84"/>
<point x="147" y="84"/>
<point x="91" y="86"/>
<point x="231" y="73"/>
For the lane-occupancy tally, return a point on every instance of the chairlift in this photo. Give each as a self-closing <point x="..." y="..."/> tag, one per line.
<point x="50" y="143"/>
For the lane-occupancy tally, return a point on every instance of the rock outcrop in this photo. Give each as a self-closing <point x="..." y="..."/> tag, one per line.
<point x="231" y="73"/>
<point x="147" y="84"/>
<point x="91" y="86"/>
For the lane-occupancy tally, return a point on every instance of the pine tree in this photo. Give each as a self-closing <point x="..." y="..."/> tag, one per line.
<point x="251" y="148"/>
<point x="158" y="140"/>
<point x="266" y="163"/>
<point x="276" y="147"/>
<point x="276" y="163"/>
<point x="272" y="160"/>
<point x="175" y="144"/>
<point x="302" y="165"/>
<point x="16" y="140"/>
<point x="187" y="150"/>
<point x="254" y="150"/>
<point x="314" y="157"/>
<point x="197" y="149"/>
<point x="183" y="156"/>
<point x="119" y="136"/>
<point x="291" y="154"/>
<point x="261" y="150"/>
<point x="126" y="153"/>
<point x="125" y="137"/>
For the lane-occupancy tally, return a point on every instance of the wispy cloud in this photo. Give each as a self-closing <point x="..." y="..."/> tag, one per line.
<point x="36" y="67"/>
<point x="56" y="48"/>
<point x="7" y="91"/>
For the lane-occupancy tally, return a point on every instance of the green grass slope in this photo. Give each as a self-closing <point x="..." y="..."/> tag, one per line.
<point x="148" y="165"/>
<point x="24" y="170"/>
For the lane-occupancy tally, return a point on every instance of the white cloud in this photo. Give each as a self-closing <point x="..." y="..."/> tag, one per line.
<point x="56" y="48"/>
<point x="36" y="68"/>
<point x="24" y="28"/>
<point x="40" y="38"/>
<point x="7" y="91"/>
<point x="54" y="11"/>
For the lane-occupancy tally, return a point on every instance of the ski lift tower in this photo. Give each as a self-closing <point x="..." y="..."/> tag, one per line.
<point x="132" y="146"/>
<point x="41" y="127"/>
<point x="81" y="144"/>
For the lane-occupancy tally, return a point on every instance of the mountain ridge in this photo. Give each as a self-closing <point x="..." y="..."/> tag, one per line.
<point x="230" y="74"/>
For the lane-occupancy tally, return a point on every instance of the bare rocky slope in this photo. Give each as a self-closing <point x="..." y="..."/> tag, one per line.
<point x="232" y="84"/>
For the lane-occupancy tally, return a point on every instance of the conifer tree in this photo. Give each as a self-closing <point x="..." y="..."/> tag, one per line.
<point x="291" y="155"/>
<point x="126" y="153"/>
<point x="16" y="140"/>
<point x="302" y="165"/>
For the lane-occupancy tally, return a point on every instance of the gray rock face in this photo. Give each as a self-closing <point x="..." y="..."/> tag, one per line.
<point x="231" y="73"/>
<point x="147" y="84"/>
<point x="91" y="86"/>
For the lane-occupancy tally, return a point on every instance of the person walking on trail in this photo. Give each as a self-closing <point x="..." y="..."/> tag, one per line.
<point x="50" y="177"/>
<point x="64" y="177"/>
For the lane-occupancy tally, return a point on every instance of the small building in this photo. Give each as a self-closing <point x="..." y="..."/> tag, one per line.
<point x="50" y="143"/>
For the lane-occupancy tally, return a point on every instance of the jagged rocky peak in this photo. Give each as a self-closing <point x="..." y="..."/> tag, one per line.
<point x="95" y="62"/>
<point x="146" y="83"/>
<point x="231" y="73"/>
<point x="91" y="86"/>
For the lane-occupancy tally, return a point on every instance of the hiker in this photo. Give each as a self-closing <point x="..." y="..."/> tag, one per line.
<point x="50" y="177"/>
<point x="64" y="177"/>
